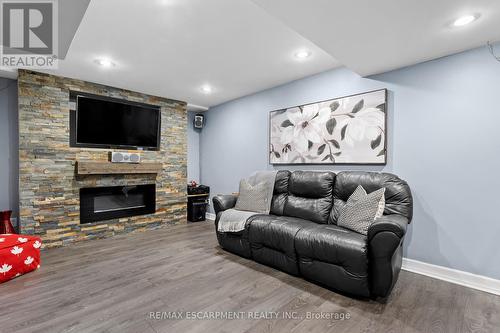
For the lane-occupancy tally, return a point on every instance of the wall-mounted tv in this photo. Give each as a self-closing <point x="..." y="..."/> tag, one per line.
<point x="101" y="122"/>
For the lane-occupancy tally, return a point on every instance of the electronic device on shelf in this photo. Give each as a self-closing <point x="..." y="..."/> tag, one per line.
<point x="197" y="202"/>
<point x="199" y="189"/>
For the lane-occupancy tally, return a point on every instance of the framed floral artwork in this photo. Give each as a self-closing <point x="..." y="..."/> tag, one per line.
<point x="346" y="130"/>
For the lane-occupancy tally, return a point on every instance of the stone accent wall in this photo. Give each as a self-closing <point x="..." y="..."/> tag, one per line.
<point x="48" y="185"/>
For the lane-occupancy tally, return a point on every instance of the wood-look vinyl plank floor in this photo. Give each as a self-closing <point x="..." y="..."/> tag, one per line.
<point x="112" y="285"/>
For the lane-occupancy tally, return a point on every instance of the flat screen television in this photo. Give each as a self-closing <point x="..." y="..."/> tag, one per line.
<point x="113" y="123"/>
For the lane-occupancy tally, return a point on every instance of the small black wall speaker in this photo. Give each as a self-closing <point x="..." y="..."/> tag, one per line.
<point x="199" y="121"/>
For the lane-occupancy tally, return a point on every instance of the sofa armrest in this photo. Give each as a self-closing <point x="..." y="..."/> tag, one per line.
<point x="224" y="202"/>
<point x="385" y="252"/>
<point x="393" y="223"/>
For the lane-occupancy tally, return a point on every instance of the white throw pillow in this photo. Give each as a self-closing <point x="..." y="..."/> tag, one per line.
<point x="253" y="198"/>
<point x="362" y="209"/>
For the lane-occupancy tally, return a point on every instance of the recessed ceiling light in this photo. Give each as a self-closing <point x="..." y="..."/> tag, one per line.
<point x="206" y="89"/>
<point x="302" y="54"/>
<point x="464" y="20"/>
<point x="104" y="62"/>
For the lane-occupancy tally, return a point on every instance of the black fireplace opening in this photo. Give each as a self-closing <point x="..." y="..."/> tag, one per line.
<point x="106" y="203"/>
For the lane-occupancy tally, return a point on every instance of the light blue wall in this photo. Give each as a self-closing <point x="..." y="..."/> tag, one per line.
<point x="193" y="169"/>
<point x="443" y="138"/>
<point x="9" y="156"/>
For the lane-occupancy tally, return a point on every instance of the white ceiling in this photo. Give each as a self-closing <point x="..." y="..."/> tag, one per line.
<point x="172" y="47"/>
<point x="372" y="37"/>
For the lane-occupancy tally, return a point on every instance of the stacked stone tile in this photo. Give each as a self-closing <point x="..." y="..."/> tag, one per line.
<point x="48" y="184"/>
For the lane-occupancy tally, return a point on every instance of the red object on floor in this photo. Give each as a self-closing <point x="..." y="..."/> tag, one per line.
<point x="19" y="254"/>
<point x="5" y="224"/>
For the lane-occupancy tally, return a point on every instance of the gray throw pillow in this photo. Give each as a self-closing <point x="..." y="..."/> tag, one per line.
<point x="362" y="209"/>
<point x="253" y="198"/>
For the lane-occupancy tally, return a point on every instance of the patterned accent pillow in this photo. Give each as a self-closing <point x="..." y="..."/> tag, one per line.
<point x="253" y="198"/>
<point x="362" y="209"/>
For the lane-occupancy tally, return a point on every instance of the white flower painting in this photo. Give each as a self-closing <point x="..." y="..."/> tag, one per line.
<point x="348" y="130"/>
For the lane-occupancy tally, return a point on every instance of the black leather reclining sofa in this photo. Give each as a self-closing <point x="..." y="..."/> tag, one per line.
<point x="300" y="235"/>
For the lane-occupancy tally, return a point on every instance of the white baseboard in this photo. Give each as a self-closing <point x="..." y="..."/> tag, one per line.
<point x="462" y="278"/>
<point x="210" y="216"/>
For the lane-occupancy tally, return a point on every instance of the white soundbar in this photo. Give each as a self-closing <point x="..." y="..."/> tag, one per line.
<point x="118" y="157"/>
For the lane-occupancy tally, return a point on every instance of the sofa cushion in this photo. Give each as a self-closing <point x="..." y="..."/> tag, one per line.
<point x="280" y="193"/>
<point x="272" y="241"/>
<point x="335" y="245"/>
<point x="275" y="232"/>
<point x="398" y="198"/>
<point x="310" y="195"/>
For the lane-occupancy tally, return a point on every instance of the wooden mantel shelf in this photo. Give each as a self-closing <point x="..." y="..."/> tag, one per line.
<point x="108" y="168"/>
